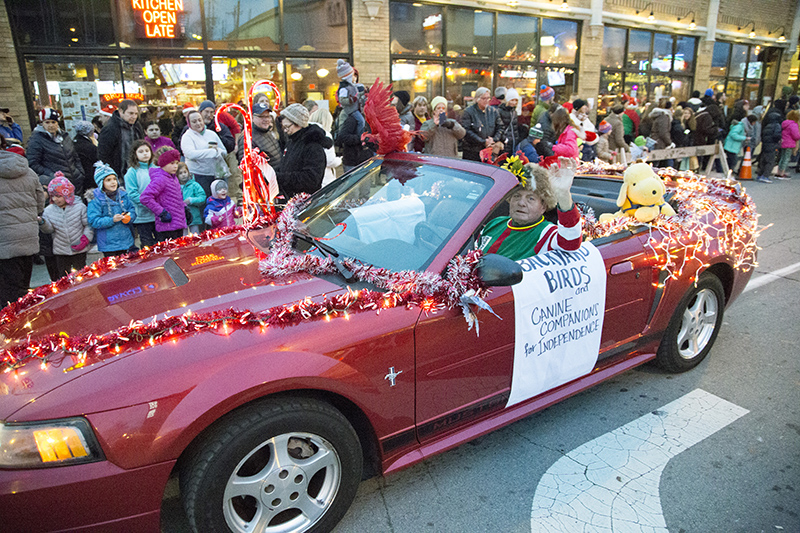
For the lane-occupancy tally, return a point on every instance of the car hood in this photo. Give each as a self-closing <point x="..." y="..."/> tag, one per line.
<point x="212" y="275"/>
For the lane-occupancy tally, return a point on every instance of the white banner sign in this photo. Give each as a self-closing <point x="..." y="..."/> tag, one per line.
<point x="558" y="313"/>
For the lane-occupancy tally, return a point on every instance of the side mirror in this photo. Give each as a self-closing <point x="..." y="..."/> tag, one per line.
<point x="498" y="271"/>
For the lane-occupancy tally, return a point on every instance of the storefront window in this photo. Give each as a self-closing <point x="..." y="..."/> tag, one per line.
<point x="242" y="73"/>
<point x="246" y="24"/>
<point x="69" y="23"/>
<point x="738" y="60"/>
<point x="142" y="28"/>
<point x="419" y="78"/>
<point x="660" y="87"/>
<point x="469" y="33"/>
<point x="564" y="37"/>
<point x="415" y="29"/>
<point x="311" y="78"/>
<point x="638" y="50"/>
<point x="169" y="81"/>
<point x="610" y="89"/>
<point x="561" y="79"/>
<point x="719" y="59"/>
<point x="516" y="37"/>
<point x="522" y="78"/>
<point x="662" y="52"/>
<point x="315" y="25"/>
<point x="684" y="54"/>
<point x="681" y="89"/>
<point x="613" y="47"/>
<point x="461" y="81"/>
<point x="636" y="86"/>
<point x="78" y="87"/>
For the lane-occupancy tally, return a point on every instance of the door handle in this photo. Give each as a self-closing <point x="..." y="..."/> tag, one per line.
<point x="621" y="268"/>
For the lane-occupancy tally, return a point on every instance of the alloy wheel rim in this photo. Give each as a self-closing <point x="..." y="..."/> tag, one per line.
<point x="698" y="325"/>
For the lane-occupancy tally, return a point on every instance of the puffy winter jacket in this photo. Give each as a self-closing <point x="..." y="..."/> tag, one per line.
<point x="790" y="134"/>
<point x="303" y="164"/>
<point x="136" y="180"/>
<point x="67" y="225"/>
<point x="735" y="138"/>
<point x="47" y="155"/>
<point x="440" y="140"/>
<point x="111" y="236"/>
<point x="661" y="122"/>
<point x="354" y="152"/>
<point x="193" y="191"/>
<point x="567" y="144"/>
<point x="21" y="199"/>
<point x="163" y="193"/>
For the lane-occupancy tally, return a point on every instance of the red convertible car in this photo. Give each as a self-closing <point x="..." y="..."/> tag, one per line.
<point x="357" y="333"/>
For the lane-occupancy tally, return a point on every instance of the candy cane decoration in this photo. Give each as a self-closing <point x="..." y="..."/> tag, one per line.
<point x="259" y="180"/>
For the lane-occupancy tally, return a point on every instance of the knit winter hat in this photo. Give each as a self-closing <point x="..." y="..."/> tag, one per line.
<point x="500" y="93"/>
<point x="48" y="113"/>
<point x="298" y="114"/>
<point x="786" y="91"/>
<point x="205" y="104"/>
<point x="709" y="92"/>
<point x="168" y="157"/>
<point x="578" y="103"/>
<point x="84" y="127"/>
<point x="344" y="70"/>
<point x="604" y="127"/>
<point x="546" y="93"/>
<point x="438" y="100"/>
<point x="512" y="94"/>
<point x="61" y="186"/>
<point x="188" y="108"/>
<point x="101" y="172"/>
<point x="403" y="96"/>
<point x="640" y="141"/>
<point x="536" y="131"/>
<point x="216" y="187"/>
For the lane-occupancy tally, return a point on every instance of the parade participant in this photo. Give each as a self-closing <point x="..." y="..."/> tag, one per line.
<point x="525" y="232"/>
<point x="110" y="212"/>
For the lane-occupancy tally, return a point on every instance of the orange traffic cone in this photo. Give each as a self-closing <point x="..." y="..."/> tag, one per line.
<point x="746" y="172"/>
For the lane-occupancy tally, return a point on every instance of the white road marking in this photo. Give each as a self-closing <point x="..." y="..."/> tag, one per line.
<point x="769" y="277"/>
<point x="610" y="484"/>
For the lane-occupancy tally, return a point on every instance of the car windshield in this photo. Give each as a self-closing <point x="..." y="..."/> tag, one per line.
<point x="393" y="214"/>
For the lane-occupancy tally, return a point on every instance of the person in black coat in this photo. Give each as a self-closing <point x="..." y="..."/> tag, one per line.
<point x="771" y="135"/>
<point x="50" y="149"/>
<point x="117" y="136"/>
<point x="483" y="124"/>
<point x="207" y="109"/>
<point x="86" y="146"/>
<point x="303" y="163"/>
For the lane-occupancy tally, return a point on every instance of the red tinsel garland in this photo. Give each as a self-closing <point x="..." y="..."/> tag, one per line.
<point x="428" y="291"/>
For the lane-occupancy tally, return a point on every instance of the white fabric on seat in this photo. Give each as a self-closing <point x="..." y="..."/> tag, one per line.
<point x="389" y="220"/>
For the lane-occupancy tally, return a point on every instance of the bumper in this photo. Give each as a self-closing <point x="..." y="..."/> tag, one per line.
<point x="93" y="497"/>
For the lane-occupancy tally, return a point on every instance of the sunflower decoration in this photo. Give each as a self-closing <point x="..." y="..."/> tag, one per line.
<point x="517" y="165"/>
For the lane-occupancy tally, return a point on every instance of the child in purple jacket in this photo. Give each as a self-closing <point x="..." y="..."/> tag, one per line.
<point x="164" y="198"/>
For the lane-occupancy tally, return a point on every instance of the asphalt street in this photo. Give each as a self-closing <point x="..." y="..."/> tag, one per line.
<point x="745" y="477"/>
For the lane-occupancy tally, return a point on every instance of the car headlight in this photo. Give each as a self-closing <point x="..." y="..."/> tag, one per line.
<point x="46" y="444"/>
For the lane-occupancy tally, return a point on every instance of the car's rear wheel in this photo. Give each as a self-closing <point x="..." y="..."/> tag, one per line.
<point x="694" y="326"/>
<point x="289" y="465"/>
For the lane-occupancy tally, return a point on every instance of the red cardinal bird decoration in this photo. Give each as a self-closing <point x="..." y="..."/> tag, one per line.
<point x="384" y="121"/>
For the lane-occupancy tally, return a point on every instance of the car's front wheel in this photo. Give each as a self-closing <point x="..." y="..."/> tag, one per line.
<point x="289" y="465"/>
<point x="694" y="326"/>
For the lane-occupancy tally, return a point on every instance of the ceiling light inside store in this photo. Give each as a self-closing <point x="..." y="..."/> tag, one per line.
<point x="296" y="76"/>
<point x="72" y="30"/>
<point x="323" y="72"/>
<point x="547" y="40"/>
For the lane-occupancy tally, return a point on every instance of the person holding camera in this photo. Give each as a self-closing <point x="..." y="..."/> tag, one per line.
<point x="10" y="129"/>
<point x="441" y="134"/>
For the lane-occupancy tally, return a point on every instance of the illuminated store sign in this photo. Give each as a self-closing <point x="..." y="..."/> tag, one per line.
<point x="158" y="18"/>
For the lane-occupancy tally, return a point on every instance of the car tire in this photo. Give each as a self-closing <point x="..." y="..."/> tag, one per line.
<point x="694" y="326"/>
<point x="289" y="465"/>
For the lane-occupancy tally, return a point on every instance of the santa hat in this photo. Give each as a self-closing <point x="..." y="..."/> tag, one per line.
<point x="108" y="110"/>
<point x="567" y="106"/>
<point x="48" y="113"/>
<point x="188" y="108"/>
